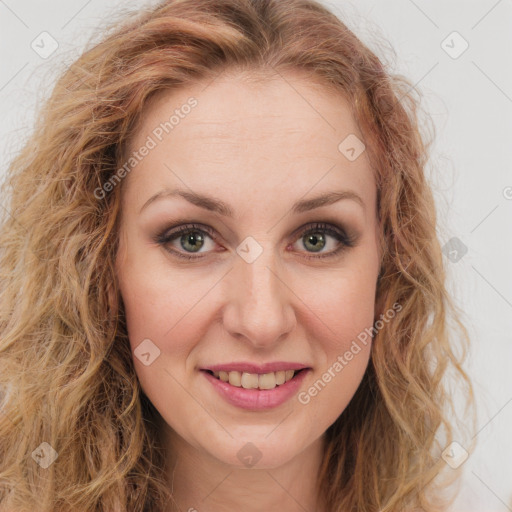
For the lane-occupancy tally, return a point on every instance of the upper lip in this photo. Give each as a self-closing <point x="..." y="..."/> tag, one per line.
<point x="255" y="368"/>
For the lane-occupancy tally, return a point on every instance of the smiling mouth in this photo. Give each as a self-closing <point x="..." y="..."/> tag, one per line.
<point x="261" y="381"/>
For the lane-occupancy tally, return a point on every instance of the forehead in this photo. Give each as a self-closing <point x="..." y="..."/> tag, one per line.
<point x="282" y="132"/>
<point x="234" y="108"/>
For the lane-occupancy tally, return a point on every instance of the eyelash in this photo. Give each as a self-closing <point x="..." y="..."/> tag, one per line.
<point x="166" y="236"/>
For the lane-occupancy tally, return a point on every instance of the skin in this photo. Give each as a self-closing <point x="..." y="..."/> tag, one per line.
<point x="259" y="147"/>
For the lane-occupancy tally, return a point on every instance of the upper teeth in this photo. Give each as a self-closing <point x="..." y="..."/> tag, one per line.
<point x="254" y="380"/>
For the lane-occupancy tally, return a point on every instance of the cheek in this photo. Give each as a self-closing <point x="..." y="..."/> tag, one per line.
<point x="170" y="311"/>
<point x="341" y="317"/>
<point x="143" y="306"/>
<point x="153" y="296"/>
<point x="342" y="356"/>
<point x="342" y="305"/>
<point x="162" y="330"/>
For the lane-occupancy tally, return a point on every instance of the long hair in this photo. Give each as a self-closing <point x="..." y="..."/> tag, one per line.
<point x="69" y="385"/>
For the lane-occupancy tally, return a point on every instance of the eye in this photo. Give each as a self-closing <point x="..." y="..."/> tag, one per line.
<point x="316" y="237"/>
<point x="193" y="237"/>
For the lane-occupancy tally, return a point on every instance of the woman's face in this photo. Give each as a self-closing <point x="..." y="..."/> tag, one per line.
<point x="278" y="279"/>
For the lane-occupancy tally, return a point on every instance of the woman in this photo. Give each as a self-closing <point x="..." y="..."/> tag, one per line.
<point x="297" y="361"/>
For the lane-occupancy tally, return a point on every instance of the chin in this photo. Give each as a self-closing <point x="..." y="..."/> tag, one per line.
<point x="261" y="447"/>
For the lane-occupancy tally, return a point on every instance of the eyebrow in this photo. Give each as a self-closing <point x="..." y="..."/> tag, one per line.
<point x="216" y="205"/>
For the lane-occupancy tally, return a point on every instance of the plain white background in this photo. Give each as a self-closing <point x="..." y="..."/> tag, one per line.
<point x="468" y="94"/>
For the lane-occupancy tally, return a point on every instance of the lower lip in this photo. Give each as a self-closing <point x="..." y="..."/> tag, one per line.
<point x="257" y="399"/>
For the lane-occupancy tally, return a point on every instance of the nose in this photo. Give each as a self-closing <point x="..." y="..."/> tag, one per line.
<point x="259" y="305"/>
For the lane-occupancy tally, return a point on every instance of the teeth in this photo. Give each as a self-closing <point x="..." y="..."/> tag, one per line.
<point x="249" y="380"/>
<point x="235" y="379"/>
<point x="267" y="381"/>
<point x="254" y="380"/>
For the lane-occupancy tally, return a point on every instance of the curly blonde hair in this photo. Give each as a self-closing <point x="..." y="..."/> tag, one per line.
<point x="65" y="362"/>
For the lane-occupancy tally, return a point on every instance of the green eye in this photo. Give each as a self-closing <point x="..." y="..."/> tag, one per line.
<point x="193" y="239"/>
<point x="316" y="241"/>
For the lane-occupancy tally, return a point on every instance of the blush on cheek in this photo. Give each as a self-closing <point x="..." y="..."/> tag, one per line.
<point x="346" y="323"/>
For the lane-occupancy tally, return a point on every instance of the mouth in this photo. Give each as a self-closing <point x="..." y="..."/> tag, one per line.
<point x="262" y="388"/>
<point x="261" y="381"/>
